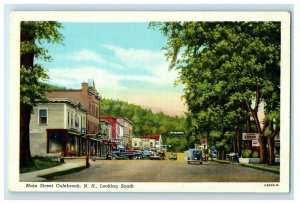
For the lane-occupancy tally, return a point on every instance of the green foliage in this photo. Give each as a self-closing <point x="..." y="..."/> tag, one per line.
<point x="225" y="67"/>
<point x="146" y="122"/>
<point x="255" y="155"/>
<point x="247" y="153"/>
<point x="40" y="163"/>
<point x="32" y="76"/>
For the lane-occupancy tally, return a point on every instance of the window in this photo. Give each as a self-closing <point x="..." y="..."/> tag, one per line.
<point x="68" y="118"/>
<point x="71" y="119"/>
<point x="76" y="121"/>
<point x="43" y="116"/>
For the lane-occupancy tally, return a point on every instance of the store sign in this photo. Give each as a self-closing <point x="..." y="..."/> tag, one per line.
<point x="255" y="143"/>
<point x="250" y="136"/>
<point x="115" y="140"/>
<point x="177" y="133"/>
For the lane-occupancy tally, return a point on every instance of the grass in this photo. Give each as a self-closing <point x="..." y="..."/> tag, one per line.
<point x="39" y="164"/>
<point x="264" y="167"/>
<point x="50" y="175"/>
<point x="273" y="169"/>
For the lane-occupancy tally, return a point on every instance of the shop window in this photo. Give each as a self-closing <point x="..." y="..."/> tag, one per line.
<point x="43" y="116"/>
<point x="56" y="142"/>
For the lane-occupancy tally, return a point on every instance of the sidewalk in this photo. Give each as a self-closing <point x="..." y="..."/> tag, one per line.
<point x="33" y="176"/>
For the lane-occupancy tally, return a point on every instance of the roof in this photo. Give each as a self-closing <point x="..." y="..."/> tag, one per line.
<point x="155" y="137"/>
<point x="126" y="119"/>
<point x="74" y="95"/>
<point x="68" y="101"/>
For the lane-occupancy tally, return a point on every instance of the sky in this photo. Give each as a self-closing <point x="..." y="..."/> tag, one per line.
<point x="125" y="60"/>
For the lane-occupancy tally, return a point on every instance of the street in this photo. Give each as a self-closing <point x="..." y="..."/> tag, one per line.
<point x="165" y="171"/>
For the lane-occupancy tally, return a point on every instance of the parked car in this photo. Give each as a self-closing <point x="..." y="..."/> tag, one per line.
<point x="125" y="155"/>
<point x="146" y="154"/>
<point x="172" y="156"/>
<point x="194" y="155"/>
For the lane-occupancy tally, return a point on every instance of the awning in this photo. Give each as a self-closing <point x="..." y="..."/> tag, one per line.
<point x="74" y="133"/>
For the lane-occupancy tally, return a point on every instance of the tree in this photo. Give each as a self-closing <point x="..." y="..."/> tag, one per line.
<point x="33" y="35"/>
<point x="229" y="69"/>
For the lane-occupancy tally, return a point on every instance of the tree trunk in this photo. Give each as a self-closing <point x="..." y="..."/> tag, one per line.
<point x="25" y="110"/>
<point x="271" y="150"/>
<point x="248" y="124"/>
<point x="238" y="139"/>
<point x="263" y="148"/>
<point x="25" y="156"/>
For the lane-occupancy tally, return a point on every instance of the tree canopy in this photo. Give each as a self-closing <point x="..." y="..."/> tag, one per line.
<point x="33" y="35"/>
<point x="229" y="69"/>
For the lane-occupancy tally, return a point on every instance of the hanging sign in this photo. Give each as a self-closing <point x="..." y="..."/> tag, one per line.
<point x="250" y="136"/>
<point x="255" y="143"/>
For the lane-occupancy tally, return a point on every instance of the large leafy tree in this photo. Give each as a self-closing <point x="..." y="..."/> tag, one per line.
<point x="229" y="69"/>
<point x="33" y="35"/>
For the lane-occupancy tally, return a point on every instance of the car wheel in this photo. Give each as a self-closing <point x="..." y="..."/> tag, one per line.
<point x="113" y="158"/>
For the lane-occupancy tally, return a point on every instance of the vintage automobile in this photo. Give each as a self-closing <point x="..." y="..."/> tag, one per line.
<point x="159" y="155"/>
<point x="124" y="155"/>
<point x="146" y="154"/>
<point x="172" y="156"/>
<point x="194" y="155"/>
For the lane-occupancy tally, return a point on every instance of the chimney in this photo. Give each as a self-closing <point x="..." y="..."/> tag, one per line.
<point x="84" y="85"/>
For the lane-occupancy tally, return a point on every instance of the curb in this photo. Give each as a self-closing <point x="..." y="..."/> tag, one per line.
<point x="52" y="174"/>
<point x="221" y="161"/>
<point x="261" y="168"/>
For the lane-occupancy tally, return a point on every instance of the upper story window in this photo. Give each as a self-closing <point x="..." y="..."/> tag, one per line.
<point x="68" y="118"/>
<point x="76" y="121"/>
<point x="43" y="116"/>
<point x="71" y="119"/>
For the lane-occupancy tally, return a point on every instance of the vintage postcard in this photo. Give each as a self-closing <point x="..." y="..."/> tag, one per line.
<point x="149" y="102"/>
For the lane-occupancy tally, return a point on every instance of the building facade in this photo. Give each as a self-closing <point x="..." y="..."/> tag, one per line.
<point x="157" y="138"/>
<point x="143" y="144"/>
<point x="68" y="124"/>
<point x="120" y="130"/>
<point x="57" y="128"/>
<point x="89" y="98"/>
<point x="115" y="141"/>
<point x="126" y="134"/>
<point x="105" y="138"/>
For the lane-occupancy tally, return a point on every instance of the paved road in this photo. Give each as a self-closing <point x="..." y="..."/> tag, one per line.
<point x="166" y="171"/>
